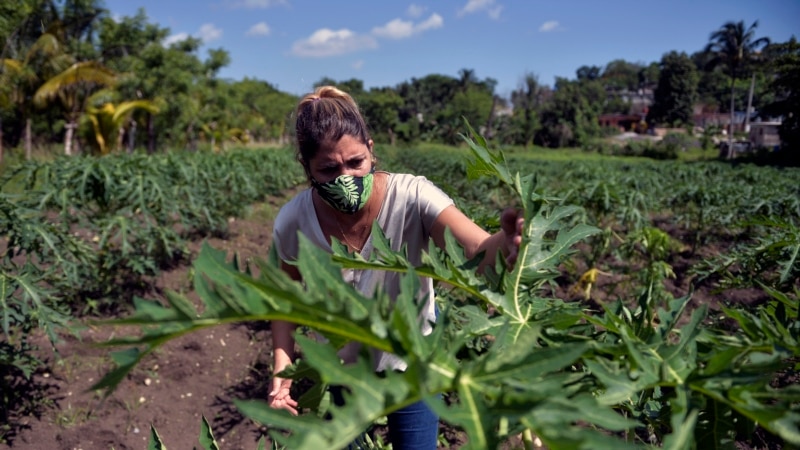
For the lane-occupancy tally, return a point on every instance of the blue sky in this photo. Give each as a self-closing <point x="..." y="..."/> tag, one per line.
<point x="294" y="43"/>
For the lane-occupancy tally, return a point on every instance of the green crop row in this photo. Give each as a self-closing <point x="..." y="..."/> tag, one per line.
<point x="81" y="233"/>
<point x="757" y="209"/>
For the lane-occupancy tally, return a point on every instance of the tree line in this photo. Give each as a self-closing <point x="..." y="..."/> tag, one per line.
<point x="72" y="74"/>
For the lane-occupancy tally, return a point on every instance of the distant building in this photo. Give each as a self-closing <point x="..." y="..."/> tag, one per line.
<point x="765" y="134"/>
<point x="721" y="120"/>
<point x="639" y="103"/>
<point x="704" y="116"/>
<point x="623" y="122"/>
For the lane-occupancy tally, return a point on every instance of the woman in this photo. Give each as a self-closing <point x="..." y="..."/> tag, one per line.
<point x="347" y="196"/>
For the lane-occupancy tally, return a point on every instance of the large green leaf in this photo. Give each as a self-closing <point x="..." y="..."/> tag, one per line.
<point x="206" y="437"/>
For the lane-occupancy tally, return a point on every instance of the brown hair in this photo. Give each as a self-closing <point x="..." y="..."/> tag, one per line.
<point x="326" y="115"/>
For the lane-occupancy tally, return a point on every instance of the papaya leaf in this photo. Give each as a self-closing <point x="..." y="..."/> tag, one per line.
<point x="571" y="423"/>
<point x="471" y="413"/>
<point x="521" y="361"/>
<point x="682" y="438"/>
<point x="231" y="296"/>
<point x="368" y="397"/>
<point x="207" y="436"/>
<point x="484" y="162"/>
<point x="716" y="428"/>
<point x="155" y="440"/>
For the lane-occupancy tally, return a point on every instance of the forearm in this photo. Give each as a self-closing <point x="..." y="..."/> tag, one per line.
<point x="472" y="238"/>
<point x="280" y="396"/>
<point x="282" y="344"/>
<point x="490" y="247"/>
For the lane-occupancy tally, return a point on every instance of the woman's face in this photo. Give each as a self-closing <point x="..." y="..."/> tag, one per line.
<point x="348" y="156"/>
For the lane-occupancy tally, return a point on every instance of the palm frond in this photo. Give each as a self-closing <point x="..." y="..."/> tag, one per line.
<point x="10" y="65"/>
<point x="47" y="45"/>
<point x="125" y="108"/>
<point x="79" y="74"/>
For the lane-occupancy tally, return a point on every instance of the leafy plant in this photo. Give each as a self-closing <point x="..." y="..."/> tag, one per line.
<point x="577" y="380"/>
<point x="34" y="255"/>
<point x="206" y="438"/>
<point x="773" y="258"/>
<point x="78" y="231"/>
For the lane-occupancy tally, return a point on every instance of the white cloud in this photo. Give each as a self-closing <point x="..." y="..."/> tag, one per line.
<point x="401" y="29"/>
<point x="550" y="25"/>
<point x="259" y="29"/>
<point x="474" y="6"/>
<point x="494" y="13"/>
<point x="259" y="3"/>
<point x="357" y="65"/>
<point x="414" y="11"/>
<point x="208" y="32"/>
<point x="434" y="21"/>
<point x="396" y="29"/>
<point x="173" y="38"/>
<point x="326" y="42"/>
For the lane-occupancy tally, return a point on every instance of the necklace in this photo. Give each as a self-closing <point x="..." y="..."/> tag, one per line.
<point x="344" y="235"/>
<point x="353" y="280"/>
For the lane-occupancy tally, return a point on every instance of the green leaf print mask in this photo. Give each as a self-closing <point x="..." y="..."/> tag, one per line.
<point x="346" y="193"/>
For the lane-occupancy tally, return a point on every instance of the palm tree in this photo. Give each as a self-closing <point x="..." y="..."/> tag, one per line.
<point x="71" y="87"/>
<point x="108" y="123"/>
<point x="466" y="78"/>
<point x="20" y="77"/>
<point x="8" y="69"/>
<point x="527" y="99"/>
<point x="734" y="47"/>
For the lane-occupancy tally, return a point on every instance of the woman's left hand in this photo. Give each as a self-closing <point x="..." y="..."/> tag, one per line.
<point x="512" y="222"/>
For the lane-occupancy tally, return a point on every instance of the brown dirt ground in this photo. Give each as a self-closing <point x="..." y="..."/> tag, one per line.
<point x="171" y="389"/>
<point x="196" y="375"/>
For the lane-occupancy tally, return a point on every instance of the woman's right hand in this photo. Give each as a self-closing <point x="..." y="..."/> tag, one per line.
<point x="512" y="222"/>
<point x="279" y="396"/>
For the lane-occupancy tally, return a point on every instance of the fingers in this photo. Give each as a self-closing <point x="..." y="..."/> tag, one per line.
<point x="512" y="223"/>
<point x="517" y="237"/>
<point x="281" y="399"/>
<point x="280" y="395"/>
<point x="507" y="220"/>
<point x="280" y="383"/>
<point x="511" y="258"/>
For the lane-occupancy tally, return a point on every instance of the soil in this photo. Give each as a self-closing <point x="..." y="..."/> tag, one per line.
<point x="191" y="377"/>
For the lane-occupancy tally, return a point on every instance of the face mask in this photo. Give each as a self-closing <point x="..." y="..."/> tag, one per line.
<point x="346" y="193"/>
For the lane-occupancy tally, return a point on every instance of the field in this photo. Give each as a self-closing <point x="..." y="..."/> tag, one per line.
<point x="169" y="391"/>
<point x="654" y="245"/>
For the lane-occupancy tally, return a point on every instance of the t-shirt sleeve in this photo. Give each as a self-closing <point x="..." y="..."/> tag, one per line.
<point x="279" y="241"/>
<point x="285" y="229"/>
<point x="431" y="201"/>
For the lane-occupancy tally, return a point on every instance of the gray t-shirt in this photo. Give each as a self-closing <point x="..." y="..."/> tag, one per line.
<point x="406" y="217"/>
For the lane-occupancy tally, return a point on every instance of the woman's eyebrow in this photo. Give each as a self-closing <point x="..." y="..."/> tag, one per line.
<point x="334" y="162"/>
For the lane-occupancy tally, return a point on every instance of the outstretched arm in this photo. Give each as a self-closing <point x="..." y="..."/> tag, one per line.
<point x="283" y="350"/>
<point x="475" y="239"/>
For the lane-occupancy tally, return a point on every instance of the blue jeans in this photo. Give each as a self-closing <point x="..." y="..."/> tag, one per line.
<point x="415" y="427"/>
